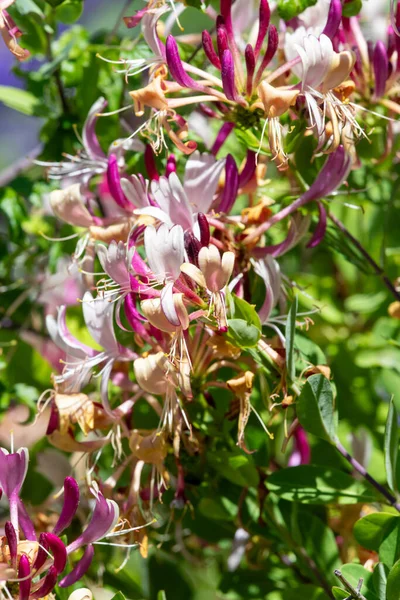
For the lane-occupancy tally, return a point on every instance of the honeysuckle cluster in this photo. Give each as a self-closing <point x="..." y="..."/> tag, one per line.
<point x="177" y="269"/>
<point x="34" y="560"/>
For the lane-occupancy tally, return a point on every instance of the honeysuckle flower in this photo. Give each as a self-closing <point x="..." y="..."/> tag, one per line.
<point x="322" y="70"/>
<point x="82" y="359"/>
<point x="148" y="18"/>
<point x="180" y="204"/>
<point x="213" y="274"/>
<point x="165" y="254"/>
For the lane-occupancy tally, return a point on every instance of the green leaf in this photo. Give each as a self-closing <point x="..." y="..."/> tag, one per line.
<point x="287" y="9"/>
<point x="379" y="579"/>
<point x="393" y="583"/>
<point x="69" y="11"/>
<point x="290" y="333"/>
<point x="310" y="484"/>
<point x="389" y="549"/>
<point x="315" y="408"/>
<point x="161" y="595"/>
<point x="236" y="467"/>
<point x="352" y="8"/>
<point x="20" y="100"/>
<point x="391" y="446"/>
<point x="243" y="334"/>
<point x="370" y="530"/>
<point x="339" y="593"/>
<point x="246" y="311"/>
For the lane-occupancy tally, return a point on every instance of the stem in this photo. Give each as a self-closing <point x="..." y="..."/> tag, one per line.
<point x="360" y="469"/>
<point x="378" y="270"/>
<point x="117" y="23"/>
<point x="57" y="77"/>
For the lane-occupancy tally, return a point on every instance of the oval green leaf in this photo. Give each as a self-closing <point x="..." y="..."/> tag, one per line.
<point x="311" y="484"/>
<point x="315" y="408"/>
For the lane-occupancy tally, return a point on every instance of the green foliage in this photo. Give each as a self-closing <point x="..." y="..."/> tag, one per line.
<point x="315" y="408"/>
<point x="288" y="9"/>
<point x="311" y="484"/>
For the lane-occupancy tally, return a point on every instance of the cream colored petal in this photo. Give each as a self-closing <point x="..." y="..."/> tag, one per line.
<point x="227" y="264"/>
<point x="194" y="273"/>
<point x="68" y="205"/>
<point x="152" y="311"/>
<point x="150" y="373"/>
<point x="341" y="65"/>
<point x="275" y="101"/>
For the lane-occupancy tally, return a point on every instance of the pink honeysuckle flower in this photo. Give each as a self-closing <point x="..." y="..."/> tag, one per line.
<point x="179" y="204"/>
<point x="116" y="261"/>
<point x="148" y="19"/>
<point x="13" y="469"/>
<point x="82" y="359"/>
<point x="165" y="253"/>
<point x="321" y="70"/>
<point x="213" y="274"/>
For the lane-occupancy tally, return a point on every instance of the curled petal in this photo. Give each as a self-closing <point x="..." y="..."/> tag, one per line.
<point x="25" y="522"/>
<point x="103" y="520"/>
<point x="48" y="582"/>
<point x="59" y="552"/>
<point x="209" y="50"/>
<point x="89" y="137"/>
<point x="80" y="568"/>
<point x="81" y="594"/>
<point x="70" y="506"/>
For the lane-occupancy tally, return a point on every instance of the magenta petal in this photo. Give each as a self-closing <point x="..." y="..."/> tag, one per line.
<point x="70" y="506"/>
<point x="334" y="18"/>
<point x="48" y="584"/>
<point x="24" y="570"/>
<point x="248" y="169"/>
<point x="12" y="542"/>
<point x="250" y="66"/>
<point x="264" y="19"/>
<point x="381" y="68"/>
<point x="58" y="550"/>
<point x="228" y="75"/>
<point x="231" y="185"/>
<point x="320" y="230"/>
<point x="171" y="165"/>
<point x="175" y="66"/>
<point x="80" y="568"/>
<point x="150" y="163"/>
<point x="222" y="37"/>
<point x="104" y="518"/>
<point x="221" y="137"/>
<point x="54" y="420"/>
<point x="204" y="228"/>
<point x="114" y="184"/>
<point x="273" y="41"/>
<point x="13" y="469"/>
<point x="208" y="47"/>
<point x="134" y="21"/>
<point x="90" y="141"/>
<point x="25" y="522"/>
<point x="42" y="555"/>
